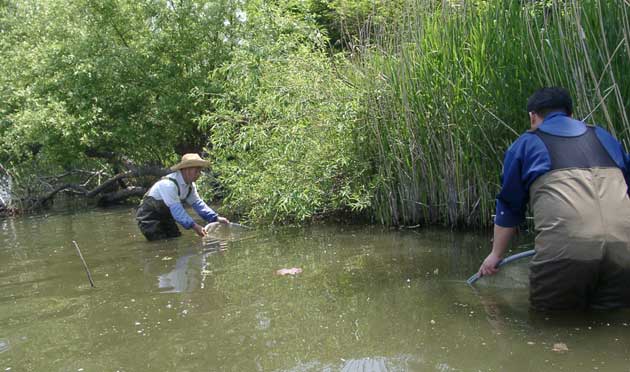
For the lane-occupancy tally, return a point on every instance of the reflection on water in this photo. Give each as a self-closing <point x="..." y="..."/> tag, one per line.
<point x="4" y="345"/>
<point x="179" y="279"/>
<point x="185" y="275"/>
<point x="376" y="364"/>
<point x="367" y="364"/>
<point x="367" y="299"/>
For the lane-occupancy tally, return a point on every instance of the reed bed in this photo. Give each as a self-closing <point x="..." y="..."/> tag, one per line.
<point x="446" y="87"/>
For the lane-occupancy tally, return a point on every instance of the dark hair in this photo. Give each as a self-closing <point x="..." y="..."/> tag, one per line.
<point x="550" y="99"/>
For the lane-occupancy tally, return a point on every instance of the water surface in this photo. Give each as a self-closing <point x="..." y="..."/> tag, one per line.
<point x="368" y="299"/>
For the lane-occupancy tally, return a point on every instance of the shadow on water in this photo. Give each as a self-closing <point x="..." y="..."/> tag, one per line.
<point x="366" y="299"/>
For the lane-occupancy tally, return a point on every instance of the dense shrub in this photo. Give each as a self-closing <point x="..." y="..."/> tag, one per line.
<point x="285" y="133"/>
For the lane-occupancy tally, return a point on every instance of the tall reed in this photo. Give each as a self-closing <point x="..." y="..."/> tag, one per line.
<point x="446" y="90"/>
<point x="585" y="46"/>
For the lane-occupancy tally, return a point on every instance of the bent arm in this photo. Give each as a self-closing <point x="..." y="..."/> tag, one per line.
<point x="525" y="160"/>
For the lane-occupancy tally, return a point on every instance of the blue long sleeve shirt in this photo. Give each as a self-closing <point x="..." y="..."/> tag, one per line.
<point x="528" y="158"/>
<point x="183" y="218"/>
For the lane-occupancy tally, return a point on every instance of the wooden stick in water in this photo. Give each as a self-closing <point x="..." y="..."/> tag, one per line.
<point x="84" y="264"/>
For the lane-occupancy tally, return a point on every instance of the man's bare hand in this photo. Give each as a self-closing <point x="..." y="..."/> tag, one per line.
<point x="489" y="265"/>
<point x="223" y="220"/>
<point x="199" y="230"/>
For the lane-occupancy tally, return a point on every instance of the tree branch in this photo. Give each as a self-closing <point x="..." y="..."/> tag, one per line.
<point x="115" y="197"/>
<point x="109" y="185"/>
<point x="41" y="201"/>
<point x="139" y="172"/>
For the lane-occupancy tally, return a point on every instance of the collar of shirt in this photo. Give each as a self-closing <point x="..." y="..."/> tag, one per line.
<point x="183" y="186"/>
<point x="180" y="178"/>
<point x="560" y="124"/>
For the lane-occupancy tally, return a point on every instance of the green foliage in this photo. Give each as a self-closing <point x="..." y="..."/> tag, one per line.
<point x="406" y="116"/>
<point x="447" y="89"/>
<point x="119" y="76"/>
<point x="352" y="22"/>
<point x="283" y="135"/>
<point x="444" y="92"/>
<point x="585" y="46"/>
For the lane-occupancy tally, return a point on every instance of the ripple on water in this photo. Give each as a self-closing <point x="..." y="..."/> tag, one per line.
<point x="4" y="345"/>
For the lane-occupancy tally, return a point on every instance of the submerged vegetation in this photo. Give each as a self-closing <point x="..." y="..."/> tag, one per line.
<point x="395" y="110"/>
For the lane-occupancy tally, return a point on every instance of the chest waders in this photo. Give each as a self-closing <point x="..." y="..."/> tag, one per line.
<point x="155" y="219"/>
<point x="582" y="216"/>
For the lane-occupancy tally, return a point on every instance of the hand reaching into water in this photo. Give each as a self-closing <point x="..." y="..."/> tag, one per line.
<point x="501" y="238"/>
<point x="199" y="230"/>
<point x="223" y="220"/>
<point x="489" y="265"/>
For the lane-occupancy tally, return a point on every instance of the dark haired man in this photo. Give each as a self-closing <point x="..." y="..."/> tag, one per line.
<point x="575" y="178"/>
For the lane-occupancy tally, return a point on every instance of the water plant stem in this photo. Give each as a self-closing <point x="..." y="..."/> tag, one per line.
<point x="84" y="264"/>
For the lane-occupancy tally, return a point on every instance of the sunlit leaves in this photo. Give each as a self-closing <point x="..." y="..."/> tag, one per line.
<point x="126" y="73"/>
<point x="283" y="133"/>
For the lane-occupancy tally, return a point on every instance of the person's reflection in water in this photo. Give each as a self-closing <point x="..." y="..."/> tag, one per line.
<point x="179" y="279"/>
<point x="503" y="307"/>
<point x="375" y="364"/>
<point x="502" y="311"/>
<point x="184" y="277"/>
<point x="504" y="295"/>
<point x="493" y="312"/>
<point x="210" y="246"/>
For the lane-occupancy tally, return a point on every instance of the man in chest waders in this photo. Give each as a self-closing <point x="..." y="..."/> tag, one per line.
<point x="162" y="205"/>
<point x="575" y="178"/>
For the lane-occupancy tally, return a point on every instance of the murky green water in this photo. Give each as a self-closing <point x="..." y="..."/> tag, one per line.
<point x="368" y="299"/>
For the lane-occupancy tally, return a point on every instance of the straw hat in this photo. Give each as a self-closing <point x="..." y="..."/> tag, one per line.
<point x="191" y="161"/>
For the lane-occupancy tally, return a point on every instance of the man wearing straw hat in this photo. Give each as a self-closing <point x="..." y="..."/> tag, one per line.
<point x="575" y="178"/>
<point x="162" y="205"/>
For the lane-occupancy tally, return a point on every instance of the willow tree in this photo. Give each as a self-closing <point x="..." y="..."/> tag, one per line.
<point x="87" y="84"/>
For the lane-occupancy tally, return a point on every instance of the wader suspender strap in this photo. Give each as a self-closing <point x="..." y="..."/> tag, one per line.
<point x="176" y="185"/>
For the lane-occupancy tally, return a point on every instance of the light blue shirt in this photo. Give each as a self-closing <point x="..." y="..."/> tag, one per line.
<point x="167" y="191"/>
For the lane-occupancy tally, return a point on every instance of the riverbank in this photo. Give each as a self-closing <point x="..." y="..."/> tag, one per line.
<point x="399" y="111"/>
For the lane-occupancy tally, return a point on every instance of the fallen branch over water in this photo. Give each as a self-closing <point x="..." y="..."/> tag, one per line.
<point x="121" y="195"/>
<point x="109" y="189"/>
<point x="138" y="172"/>
<point x="44" y="199"/>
